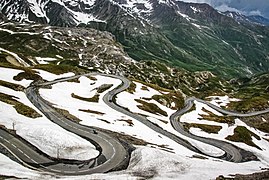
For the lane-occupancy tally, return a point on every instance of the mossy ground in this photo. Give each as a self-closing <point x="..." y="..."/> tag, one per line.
<point x="91" y="111"/>
<point x="20" y="108"/>
<point x="94" y="99"/>
<point x="103" y="88"/>
<point x="131" y="88"/>
<point x="213" y="117"/>
<point x="150" y="107"/>
<point x="15" y="87"/>
<point x="260" y="122"/>
<point x="67" y="115"/>
<point x="242" y="134"/>
<point x="204" y="127"/>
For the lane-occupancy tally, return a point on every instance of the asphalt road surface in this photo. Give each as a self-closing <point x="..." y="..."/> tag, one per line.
<point x="232" y="153"/>
<point x="112" y="153"/>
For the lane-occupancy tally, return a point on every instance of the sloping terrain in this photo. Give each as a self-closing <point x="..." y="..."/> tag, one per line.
<point x="74" y="48"/>
<point x="188" y="35"/>
<point x="32" y="52"/>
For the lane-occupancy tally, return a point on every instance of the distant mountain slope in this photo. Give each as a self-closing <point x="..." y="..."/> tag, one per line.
<point x="259" y="19"/>
<point x="188" y="35"/>
<point x="253" y="19"/>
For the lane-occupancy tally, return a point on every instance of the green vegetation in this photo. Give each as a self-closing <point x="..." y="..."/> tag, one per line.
<point x="176" y="41"/>
<point x="76" y="80"/>
<point x="92" y="78"/>
<point x="259" y="122"/>
<point x="253" y="93"/>
<point x="20" y="108"/>
<point x="153" y="86"/>
<point x="144" y="88"/>
<point x="28" y="74"/>
<point x="150" y="107"/>
<point x="106" y="121"/>
<point x="4" y="62"/>
<point x="170" y="98"/>
<point x="15" y="87"/>
<point x="249" y="104"/>
<point x="204" y="127"/>
<point x="242" y="134"/>
<point x="129" y="122"/>
<point x="26" y="110"/>
<point x="214" y="117"/>
<point x="91" y="111"/>
<point x="103" y="88"/>
<point x="193" y="108"/>
<point x="60" y="69"/>
<point x="262" y="126"/>
<point x="131" y="88"/>
<point x="67" y="115"/>
<point x="95" y="98"/>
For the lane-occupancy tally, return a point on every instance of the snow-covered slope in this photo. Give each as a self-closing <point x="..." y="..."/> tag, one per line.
<point x="72" y="13"/>
<point x="42" y="10"/>
<point x="159" y="157"/>
<point x="100" y="115"/>
<point x="41" y="132"/>
<point x="159" y="30"/>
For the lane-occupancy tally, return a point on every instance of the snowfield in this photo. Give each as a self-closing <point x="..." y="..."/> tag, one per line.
<point x="7" y="74"/>
<point x="221" y="101"/>
<point x="41" y="132"/>
<point x="162" y="159"/>
<point x="164" y="165"/>
<point x="60" y="95"/>
<point x="126" y="99"/>
<point x="50" y="77"/>
<point x="148" y="163"/>
<point x="194" y="117"/>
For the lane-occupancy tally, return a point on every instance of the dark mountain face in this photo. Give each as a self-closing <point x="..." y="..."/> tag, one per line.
<point x="188" y="35"/>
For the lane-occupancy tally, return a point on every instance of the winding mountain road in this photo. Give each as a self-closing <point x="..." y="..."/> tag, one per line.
<point x="232" y="152"/>
<point x="227" y="112"/>
<point x="109" y="100"/>
<point x="112" y="153"/>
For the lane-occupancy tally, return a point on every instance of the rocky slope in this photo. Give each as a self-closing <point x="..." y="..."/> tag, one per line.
<point x="188" y="35"/>
<point x="66" y="48"/>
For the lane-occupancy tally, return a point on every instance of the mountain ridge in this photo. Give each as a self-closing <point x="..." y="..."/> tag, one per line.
<point x="188" y="35"/>
<point x="252" y="19"/>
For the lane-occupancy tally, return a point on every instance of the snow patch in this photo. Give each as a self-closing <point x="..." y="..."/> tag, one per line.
<point x="7" y="74"/>
<point x="44" y="60"/>
<point x="222" y="101"/>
